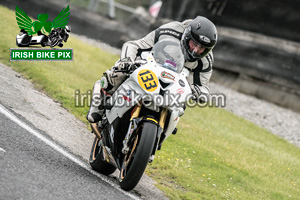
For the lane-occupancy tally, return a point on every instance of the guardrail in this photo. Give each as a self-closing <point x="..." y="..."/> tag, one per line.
<point x="261" y="66"/>
<point x="111" y="6"/>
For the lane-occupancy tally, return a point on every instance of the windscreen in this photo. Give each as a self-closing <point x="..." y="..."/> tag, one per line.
<point x="168" y="54"/>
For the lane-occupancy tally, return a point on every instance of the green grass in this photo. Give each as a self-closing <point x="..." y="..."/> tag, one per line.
<point x="214" y="155"/>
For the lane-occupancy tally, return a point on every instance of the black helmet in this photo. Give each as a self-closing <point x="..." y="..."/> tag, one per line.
<point x="203" y="32"/>
<point x="68" y="28"/>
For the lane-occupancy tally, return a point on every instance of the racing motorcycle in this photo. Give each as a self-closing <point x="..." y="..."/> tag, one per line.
<point x="58" y="36"/>
<point x="141" y="114"/>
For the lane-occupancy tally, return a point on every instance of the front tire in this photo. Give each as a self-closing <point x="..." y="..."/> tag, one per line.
<point x="134" y="166"/>
<point x="53" y="42"/>
<point x="96" y="159"/>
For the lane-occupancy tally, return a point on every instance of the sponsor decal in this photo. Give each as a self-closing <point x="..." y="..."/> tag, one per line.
<point x="181" y="83"/>
<point x="169" y="32"/>
<point x="169" y="64"/>
<point x="180" y="91"/>
<point x="167" y="75"/>
<point x="204" y="39"/>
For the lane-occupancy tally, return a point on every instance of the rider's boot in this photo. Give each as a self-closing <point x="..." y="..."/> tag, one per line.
<point x="95" y="113"/>
<point x="96" y="108"/>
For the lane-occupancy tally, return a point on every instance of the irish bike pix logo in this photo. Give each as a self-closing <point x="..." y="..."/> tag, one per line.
<point x="36" y="35"/>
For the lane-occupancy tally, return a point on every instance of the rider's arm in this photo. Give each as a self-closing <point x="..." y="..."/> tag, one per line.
<point x="130" y="48"/>
<point x="206" y="71"/>
<point x="172" y="29"/>
<point x="201" y="73"/>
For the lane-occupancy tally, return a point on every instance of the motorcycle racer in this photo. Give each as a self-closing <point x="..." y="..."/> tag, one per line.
<point x="58" y="36"/>
<point x="198" y="37"/>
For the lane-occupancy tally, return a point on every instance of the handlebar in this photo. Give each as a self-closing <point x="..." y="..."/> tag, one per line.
<point x="129" y="67"/>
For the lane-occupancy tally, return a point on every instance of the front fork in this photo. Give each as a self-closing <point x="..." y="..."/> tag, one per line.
<point x="162" y="122"/>
<point x="134" y="120"/>
<point x="96" y="130"/>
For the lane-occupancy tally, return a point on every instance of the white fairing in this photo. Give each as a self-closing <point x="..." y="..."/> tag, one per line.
<point x="33" y="39"/>
<point x="157" y="87"/>
<point x="20" y="38"/>
<point x="37" y="39"/>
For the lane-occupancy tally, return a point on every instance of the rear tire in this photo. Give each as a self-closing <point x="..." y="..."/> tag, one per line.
<point x="97" y="162"/>
<point x="43" y="41"/>
<point x="131" y="173"/>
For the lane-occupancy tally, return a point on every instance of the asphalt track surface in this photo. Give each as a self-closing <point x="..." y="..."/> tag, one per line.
<point x="42" y="118"/>
<point x="32" y="166"/>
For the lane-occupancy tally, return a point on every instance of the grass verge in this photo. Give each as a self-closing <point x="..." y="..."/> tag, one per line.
<point x="215" y="154"/>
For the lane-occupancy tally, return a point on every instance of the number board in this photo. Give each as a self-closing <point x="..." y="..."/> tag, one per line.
<point x="148" y="80"/>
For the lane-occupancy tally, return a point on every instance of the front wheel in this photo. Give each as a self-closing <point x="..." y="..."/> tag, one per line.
<point x="137" y="158"/>
<point x="96" y="159"/>
<point x="53" y="42"/>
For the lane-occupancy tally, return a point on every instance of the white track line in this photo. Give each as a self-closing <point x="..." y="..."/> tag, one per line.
<point x="84" y="165"/>
<point x="2" y="150"/>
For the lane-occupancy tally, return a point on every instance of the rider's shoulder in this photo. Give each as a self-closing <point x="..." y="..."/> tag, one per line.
<point x="176" y="25"/>
<point x="186" y="22"/>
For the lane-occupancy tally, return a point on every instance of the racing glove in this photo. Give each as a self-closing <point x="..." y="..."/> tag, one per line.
<point x="129" y="64"/>
<point x="200" y="93"/>
<point x="124" y="64"/>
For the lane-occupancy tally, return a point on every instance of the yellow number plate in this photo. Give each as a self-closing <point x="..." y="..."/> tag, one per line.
<point x="148" y="80"/>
